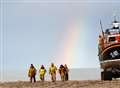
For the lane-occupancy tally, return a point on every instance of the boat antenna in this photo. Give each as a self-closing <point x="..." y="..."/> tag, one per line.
<point x="114" y="15"/>
<point x="115" y="18"/>
<point x="101" y="28"/>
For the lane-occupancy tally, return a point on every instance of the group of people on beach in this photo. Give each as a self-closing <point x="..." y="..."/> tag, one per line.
<point x="63" y="71"/>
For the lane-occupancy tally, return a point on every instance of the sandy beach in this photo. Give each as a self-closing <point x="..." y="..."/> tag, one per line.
<point x="59" y="84"/>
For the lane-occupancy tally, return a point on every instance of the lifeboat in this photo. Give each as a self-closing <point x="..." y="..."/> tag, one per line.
<point x="109" y="52"/>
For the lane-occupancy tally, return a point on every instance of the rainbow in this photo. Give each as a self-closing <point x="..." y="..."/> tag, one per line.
<point x="67" y="48"/>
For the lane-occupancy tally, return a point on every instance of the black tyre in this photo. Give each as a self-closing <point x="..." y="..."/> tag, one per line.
<point x="102" y="75"/>
<point x="106" y="75"/>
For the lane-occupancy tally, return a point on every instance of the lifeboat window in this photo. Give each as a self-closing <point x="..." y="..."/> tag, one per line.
<point x="111" y="39"/>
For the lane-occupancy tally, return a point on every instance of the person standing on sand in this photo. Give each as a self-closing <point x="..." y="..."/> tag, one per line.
<point x="42" y="72"/>
<point x="66" y="72"/>
<point x="52" y="72"/>
<point x="32" y="73"/>
<point x="62" y="72"/>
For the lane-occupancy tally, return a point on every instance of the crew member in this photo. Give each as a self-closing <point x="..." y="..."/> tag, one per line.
<point x="62" y="72"/>
<point x="42" y="72"/>
<point x="52" y="72"/>
<point x="32" y="73"/>
<point x="66" y="72"/>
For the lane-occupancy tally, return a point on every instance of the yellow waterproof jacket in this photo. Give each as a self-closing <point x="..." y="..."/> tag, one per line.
<point x="42" y="71"/>
<point x="32" y="72"/>
<point x="52" y="70"/>
<point x="62" y="71"/>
